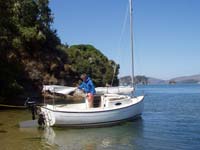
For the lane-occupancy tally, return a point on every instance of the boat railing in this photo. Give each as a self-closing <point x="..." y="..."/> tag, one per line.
<point x="56" y="99"/>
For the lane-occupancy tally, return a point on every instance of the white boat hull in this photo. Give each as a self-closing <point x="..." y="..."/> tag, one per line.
<point x="93" y="116"/>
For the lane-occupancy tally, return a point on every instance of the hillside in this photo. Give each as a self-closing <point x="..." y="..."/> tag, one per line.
<point x="187" y="79"/>
<point x="31" y="53"/>
<point x="126" y="80"/>
<point x="152" y="80"/>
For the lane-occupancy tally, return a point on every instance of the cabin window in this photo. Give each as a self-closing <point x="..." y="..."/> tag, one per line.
<point x="117" y="104"/>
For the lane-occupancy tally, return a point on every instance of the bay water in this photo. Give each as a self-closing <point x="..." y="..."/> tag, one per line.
<point x="170" y="121"/>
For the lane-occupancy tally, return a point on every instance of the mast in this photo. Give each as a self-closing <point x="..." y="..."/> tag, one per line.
<point x="131" y="40"/>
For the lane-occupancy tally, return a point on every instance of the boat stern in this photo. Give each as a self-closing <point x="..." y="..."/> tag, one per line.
<point x="48" y="114"/>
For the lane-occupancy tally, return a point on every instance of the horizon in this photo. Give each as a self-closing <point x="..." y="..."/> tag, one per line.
<point x="166" y="36"/>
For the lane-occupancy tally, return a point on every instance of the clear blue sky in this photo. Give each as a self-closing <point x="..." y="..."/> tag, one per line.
<point x="166" y="33"/>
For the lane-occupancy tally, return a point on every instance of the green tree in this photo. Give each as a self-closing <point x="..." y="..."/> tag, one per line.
<point x="31" y="53"/>
<point x="25" y="27"/>
<point x="88" y="59"/>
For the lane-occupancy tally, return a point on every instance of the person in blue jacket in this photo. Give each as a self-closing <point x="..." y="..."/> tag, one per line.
<point x="88" y="87"/>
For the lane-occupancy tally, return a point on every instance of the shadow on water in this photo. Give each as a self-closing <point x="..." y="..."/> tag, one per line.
<point x="123" y="136"/>
<point x="3" y="131"/>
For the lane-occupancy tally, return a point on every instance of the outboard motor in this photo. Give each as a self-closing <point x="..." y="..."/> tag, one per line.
<point x="31" y="105"/>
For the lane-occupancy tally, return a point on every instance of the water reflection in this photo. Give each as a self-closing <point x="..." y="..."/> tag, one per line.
<point x="123" y="136"/>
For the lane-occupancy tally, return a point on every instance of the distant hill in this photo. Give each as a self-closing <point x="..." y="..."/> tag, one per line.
<point x="187" y="79"/>
<point x="126" y="80"/>
<point x="150" y="80"/>
<point x="139" y="79"/>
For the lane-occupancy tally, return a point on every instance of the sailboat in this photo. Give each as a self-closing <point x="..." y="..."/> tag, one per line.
<point x="111" y="108"/>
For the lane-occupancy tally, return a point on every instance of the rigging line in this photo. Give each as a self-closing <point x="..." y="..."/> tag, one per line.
<point x="120" y="39"/>
<point x="131" y="40"/>
<point x="115" y="67"/>
<point x="123" y="26"/>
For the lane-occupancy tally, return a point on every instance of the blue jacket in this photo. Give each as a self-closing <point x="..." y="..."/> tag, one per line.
<point x="87" y="86"/>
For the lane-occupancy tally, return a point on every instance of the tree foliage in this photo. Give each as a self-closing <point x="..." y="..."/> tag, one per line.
<point x="25" y="27"/>
<point x="31" y="53"/>
<point x="88" y="59"/>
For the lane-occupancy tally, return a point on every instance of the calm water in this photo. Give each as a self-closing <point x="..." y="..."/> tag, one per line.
<point x="171" y="121"/>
